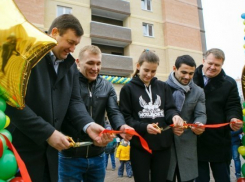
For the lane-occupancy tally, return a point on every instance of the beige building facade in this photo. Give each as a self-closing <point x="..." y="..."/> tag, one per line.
<point x="124" y="28"/>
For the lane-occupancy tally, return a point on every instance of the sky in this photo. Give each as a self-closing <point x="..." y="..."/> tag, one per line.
<point x="224" y="29"/>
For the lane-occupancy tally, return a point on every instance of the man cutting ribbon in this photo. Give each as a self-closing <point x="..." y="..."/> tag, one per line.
<point x="222" y="106"/>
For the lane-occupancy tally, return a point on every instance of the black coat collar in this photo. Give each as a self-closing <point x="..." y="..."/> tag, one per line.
<point x="213" y="84"/>
<point x="63" y="66"/>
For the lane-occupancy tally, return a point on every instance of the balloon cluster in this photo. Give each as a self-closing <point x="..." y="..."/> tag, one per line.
<point x="243" y="17"/>
<point x="22" y="46"/>
<point x="241" y="149"/>
<point x="8" y="163"/>
<point x="116" y="79"/>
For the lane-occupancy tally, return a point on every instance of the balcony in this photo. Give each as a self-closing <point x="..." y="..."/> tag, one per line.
<point x="107" y="34"/>
<point x="116" y="65"/>
<point x="115" y="9"/>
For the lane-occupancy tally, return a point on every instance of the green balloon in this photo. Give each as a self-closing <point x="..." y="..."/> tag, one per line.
<point x="2" y="180"/>
<point x="2" y="104"/>
<point x="8" y="165"/>
<point x="4" y="146"/>
<point x="243" y="169"/>
<point x="243" y="118"/>
<point x="7" y="134"/>
<point x="2" y="120"/>
<point x="243" y="104"/>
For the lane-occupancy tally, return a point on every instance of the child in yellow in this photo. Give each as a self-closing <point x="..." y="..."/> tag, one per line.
<point x="123" y="154"/>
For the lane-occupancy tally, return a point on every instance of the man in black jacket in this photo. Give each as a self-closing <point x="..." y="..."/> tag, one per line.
<point x="88" y="163"/>
<point x="53" y="91"/>
<point x="222" y="106"/>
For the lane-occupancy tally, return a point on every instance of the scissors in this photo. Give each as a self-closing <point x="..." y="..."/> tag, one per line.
<point x="161" y="129"/>
<point x="78" y="144"/>
<point x="168" y="127"/>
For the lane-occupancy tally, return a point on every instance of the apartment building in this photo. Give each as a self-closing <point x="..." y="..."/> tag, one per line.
<point x="124" y="28"/>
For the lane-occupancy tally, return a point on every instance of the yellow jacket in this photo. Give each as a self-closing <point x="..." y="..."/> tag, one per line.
<point x="123" y="153"/>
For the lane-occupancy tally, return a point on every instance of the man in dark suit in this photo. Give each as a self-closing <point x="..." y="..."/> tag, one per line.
<point x="222" y="106"/>
<point x="52" y="93"/>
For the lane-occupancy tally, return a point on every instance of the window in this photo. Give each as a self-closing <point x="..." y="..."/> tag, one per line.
<point x="148" y="29"/>
<point x="146" y="5"/>
<point x="63" y="10"/>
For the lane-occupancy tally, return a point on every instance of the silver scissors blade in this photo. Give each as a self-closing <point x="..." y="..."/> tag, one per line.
<point x="82" y="144"/>
<point x="166" y="128"/>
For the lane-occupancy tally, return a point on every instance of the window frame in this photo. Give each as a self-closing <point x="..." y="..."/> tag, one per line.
<point x="64" y="10"/>
<point x="146" y="29"/>
<point x="145" y="5"/>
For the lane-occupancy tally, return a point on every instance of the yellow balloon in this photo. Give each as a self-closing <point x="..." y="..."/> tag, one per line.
<point x="243" y="22"/>
<point x="241" y="150"/>
<point x="243" y="112"/>
<point x="22" y="46"/>
<point x="7" y="122"/>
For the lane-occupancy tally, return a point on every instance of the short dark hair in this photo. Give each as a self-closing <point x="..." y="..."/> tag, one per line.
<point x="65" y="22"/>
<point x="185" y="59"/>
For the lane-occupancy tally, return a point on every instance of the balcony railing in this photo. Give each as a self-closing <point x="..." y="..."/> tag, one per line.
<point x="116" y="65"/>
<point x="107" y="34"/>
<point x="115" y="9"/>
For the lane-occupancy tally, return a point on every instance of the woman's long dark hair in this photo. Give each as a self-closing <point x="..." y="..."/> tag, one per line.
<point x="148" y="56"/>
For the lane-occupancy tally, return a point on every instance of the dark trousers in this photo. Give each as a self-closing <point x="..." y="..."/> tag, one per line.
<point x="46" y="175"/>
<point x="221" y="171"/>
<point x="144" y="162"/>
<point x="177" y="175"/>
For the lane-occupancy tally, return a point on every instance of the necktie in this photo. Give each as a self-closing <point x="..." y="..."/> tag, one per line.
<point x="55" y="63"/>
<point x="206" y="80"/>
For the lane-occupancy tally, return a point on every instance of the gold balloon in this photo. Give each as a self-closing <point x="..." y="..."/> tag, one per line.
<point x="22" y="46"/>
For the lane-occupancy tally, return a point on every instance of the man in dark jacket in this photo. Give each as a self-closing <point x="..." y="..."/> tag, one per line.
<point x="53" y="91"/>
<point x="78" y="164"/>
<point x="222" y="106"/>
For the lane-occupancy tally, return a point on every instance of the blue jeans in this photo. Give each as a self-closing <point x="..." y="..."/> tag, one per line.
<point x="237" y="161"/>
<point x="113" y="163"/>
<point x="81" y="169"/>
<point x="128" y="169"/>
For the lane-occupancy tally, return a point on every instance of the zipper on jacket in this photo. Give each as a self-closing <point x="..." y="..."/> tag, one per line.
<point x="90" y="110"/>
<point x="90" y="102"/>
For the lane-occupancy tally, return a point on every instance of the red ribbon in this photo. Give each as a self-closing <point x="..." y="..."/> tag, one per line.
<point x="144" y="143"/>
<point x="1" y="148"/>
<point x="208" y="125"/>
<point x="21" y="164"/>
<point x="130" y="132"/>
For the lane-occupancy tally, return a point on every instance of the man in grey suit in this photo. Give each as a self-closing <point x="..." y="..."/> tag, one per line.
<point x="190" y="101"/>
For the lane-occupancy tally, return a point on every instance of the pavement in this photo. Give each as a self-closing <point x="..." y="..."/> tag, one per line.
<point x="111" y="176"/>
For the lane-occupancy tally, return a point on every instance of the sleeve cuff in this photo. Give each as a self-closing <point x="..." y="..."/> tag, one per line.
<point x="86" y="126"/>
